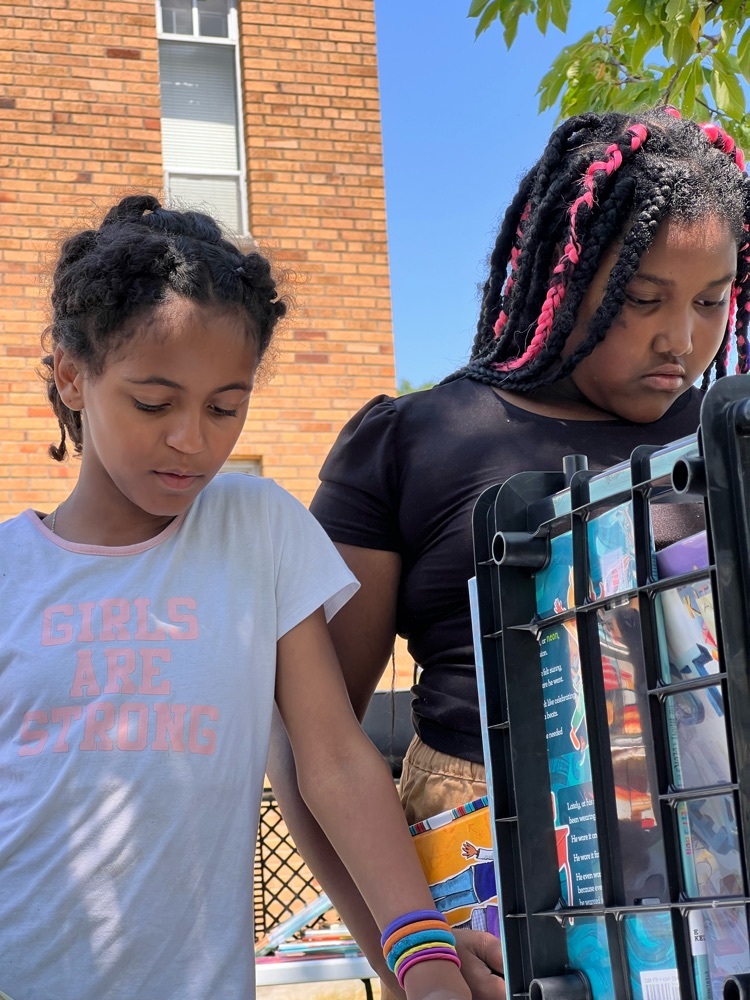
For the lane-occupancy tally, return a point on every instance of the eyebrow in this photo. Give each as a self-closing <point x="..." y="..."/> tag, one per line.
<point x="664" y="282"/>
<point x="169" y="384"/>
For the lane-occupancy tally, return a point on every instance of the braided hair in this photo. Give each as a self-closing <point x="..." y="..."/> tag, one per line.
<point x="604" y="181"/>
<point x="140" y="255"/>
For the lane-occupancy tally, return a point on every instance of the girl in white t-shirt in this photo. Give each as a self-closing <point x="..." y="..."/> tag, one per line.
<point x="149" y="624"/>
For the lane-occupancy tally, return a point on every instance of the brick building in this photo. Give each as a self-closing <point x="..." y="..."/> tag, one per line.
<point x="263" y="110"/>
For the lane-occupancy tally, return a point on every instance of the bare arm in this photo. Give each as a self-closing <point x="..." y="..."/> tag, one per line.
<point x="363" y="633"/>
<point x="351" y="794"/>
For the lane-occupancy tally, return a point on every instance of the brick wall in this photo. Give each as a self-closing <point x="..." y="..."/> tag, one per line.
<point x="80" y="125"/>
<point x="315" y="178"/>
<point x="79" y="118"/>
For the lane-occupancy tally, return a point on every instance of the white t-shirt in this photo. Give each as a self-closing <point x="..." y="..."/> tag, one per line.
<point x="136" y="695"/>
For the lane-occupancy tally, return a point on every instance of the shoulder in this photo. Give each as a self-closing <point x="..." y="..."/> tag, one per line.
<point x="20" y="528"/>
<point x="235" y="505"/>
<point x="244" y="494"/>
<point x="386" y="418"/>
<point x="228" y="489"/>
<point x="441" y="398"/>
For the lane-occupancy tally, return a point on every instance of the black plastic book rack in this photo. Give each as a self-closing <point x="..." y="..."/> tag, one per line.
<point x="614" y="684"/>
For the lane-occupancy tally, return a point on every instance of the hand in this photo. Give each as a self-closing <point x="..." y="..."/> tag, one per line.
<point x="469" y="850"/>
<point x="481" y="957"/>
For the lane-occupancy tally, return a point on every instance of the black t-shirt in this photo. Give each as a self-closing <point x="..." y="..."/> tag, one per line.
<point x="404" y="476"/>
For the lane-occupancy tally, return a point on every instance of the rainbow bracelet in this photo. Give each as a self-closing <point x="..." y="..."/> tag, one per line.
<point x="420" y="936"/>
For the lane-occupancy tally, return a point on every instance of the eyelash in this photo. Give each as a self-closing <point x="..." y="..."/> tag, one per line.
<point x="147" y="408"/>
<point x="705" y="303"/>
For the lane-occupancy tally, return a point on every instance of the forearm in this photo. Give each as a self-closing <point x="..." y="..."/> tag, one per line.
<point x="353" y="796"/>
<point x="350" y="791"/>
<point x="321" y="858"/>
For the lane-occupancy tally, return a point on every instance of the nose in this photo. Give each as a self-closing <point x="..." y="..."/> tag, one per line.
<point x="185" y="434"/>
<point x="675" y="337"/>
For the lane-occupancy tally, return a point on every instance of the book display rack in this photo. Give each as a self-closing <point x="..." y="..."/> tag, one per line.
<point x="615" y="690"/>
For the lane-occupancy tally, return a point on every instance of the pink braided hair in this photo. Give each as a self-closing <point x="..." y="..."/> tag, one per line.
<point x="726" y="144"/>
<point x="739" y="321"/>
<point x="571" y="254"/>
<point x="515" y="253"/>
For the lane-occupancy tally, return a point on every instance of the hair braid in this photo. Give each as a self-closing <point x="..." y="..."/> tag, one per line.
<point x="579" y="215"/>
<point x="603" y="233"/>
<point x="106" y="279"/>
<point x="512" y="233"/>
<point x="603" y="180"/>
<point x="741" y="295"/>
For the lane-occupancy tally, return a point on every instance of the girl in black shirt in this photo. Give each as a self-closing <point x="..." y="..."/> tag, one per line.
<point x="618" y="276"/>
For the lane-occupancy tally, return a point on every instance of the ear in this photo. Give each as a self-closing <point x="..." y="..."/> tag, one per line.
<point x="68" y="379"/>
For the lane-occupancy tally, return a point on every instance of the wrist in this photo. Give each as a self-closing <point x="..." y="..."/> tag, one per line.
<point x="435" y="980"/>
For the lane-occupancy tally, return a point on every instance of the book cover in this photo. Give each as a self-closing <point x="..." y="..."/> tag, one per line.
<point x="455" y="849"/>
<point x="588" y="952"/>
<point x="611" y="545"/>
<point x="569" y="766"/>
<point x="554" y="590"/>
<point x="652" y="963"/>
<point x="683" y="556"/>
<point x="633" y="765"/>
<point x="696" y="725"/>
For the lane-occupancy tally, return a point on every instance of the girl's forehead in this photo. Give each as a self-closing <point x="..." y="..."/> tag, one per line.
<point x="173" y="320"/>
<point x="181" y="335"/>
<point x="710" y="234"/>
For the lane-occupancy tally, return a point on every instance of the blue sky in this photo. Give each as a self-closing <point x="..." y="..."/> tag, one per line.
<point x="460" y="127"/>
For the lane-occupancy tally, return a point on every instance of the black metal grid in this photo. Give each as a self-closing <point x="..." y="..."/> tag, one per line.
<point x="512" y="525"/>
<point x="283" y="882"/>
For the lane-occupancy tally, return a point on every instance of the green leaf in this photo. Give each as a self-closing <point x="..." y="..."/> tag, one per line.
<point x="476" y="8"/>
<point x="560" y="14"/>
<point x="743" y="55"/>
<point x="696" y="25"/>
<point x="491" y="12"/>
<point x="692" y="89"/>
<point x="510" y="20"/>
<point x="549" y="89"/>
<point x="683" y="48"/>
<point x="644" y="41"/>
<point x="543" y="12"/>
<point x="727" y="93"/>
<point x="728" y="33"/>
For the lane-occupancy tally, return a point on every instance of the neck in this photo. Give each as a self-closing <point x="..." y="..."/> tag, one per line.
<point x="562" y="400"/>
<point x="96" y="523"/>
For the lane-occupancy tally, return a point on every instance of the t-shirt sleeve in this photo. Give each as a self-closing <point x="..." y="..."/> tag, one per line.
<point x="357" y="500"/>
<point x="309" y="571"/>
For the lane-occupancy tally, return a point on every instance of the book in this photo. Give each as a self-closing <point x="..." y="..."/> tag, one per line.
<point x="569" y="764"/>
<point x="611" y="545"/>
<point x="554" y="583"/>
<point x="696" y="727"/>
<point x="456" y="853"/>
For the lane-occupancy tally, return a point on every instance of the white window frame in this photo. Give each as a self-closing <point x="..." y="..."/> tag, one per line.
<point x="233" y="40"/>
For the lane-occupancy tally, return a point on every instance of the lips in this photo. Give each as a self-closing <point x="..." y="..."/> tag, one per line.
<point x="666" y="378"/>
<point x="676" y="371"/>
<point x="177" y="479"/>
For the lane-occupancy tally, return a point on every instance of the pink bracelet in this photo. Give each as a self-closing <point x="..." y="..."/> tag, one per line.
<point x="429" y="954"/>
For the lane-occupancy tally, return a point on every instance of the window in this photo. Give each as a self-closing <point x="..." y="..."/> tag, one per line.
<point x="204" y="162"/>
<point x="250" y="466"/>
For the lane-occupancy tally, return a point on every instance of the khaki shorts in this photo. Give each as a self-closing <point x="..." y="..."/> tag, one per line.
<point x="432" y="782"/>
